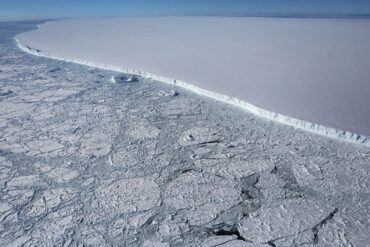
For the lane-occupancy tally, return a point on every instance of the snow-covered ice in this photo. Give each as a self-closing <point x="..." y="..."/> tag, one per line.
<point x="88" y="162"/>
<point x="313" y="72"/>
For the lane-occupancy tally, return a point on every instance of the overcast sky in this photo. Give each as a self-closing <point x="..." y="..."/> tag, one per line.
<point x="37" y="9"/>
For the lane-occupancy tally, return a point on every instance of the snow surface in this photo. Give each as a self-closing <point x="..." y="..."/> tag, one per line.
<point x="88" y="162"/>
<point x="313" y="74"/>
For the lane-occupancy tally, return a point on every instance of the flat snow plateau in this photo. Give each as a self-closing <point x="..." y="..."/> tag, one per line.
<point x="316" y="70"/>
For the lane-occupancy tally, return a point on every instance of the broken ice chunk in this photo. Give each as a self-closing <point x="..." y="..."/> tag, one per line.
<point x="198" y="135"/>
<point x="289" y="218"/>
<point x="124" y="79"/>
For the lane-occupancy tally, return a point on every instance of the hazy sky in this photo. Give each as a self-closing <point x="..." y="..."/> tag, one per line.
<point x="33" y="9"/>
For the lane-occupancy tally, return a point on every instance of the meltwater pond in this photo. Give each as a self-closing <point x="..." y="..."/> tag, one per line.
<point x="86" y="161"/>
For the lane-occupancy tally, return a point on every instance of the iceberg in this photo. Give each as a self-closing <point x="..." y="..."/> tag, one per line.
<point x="311" y="74"/>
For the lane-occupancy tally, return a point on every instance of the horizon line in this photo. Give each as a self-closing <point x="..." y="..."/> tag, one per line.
<point x="264" y="15"/>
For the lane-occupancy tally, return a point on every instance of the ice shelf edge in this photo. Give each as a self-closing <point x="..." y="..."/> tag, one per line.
<point x="314" y="128"/>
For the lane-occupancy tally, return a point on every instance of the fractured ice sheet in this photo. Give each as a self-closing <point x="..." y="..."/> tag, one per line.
<point x="229" y="241"/>
<point x="289" y="218"/>
<point x="50" y="199"/>
<point x="350" y="227"/>
<point x="23" y="181"/>
<point x="141" y="129"/>
<point x="307" y="173"/>
<point x="62" y="175"/>
<point x="198" y="135"/>
<point x="127" y="195"/>
<point x="232" y="168"/>
<point x="96" y="145"/>
<point x="88" y="162"/>
<point x="202" y="198"/>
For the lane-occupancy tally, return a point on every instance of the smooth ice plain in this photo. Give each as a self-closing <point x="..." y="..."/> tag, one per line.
<point x="92" y="157"/>
<point x="315" y="70"/>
